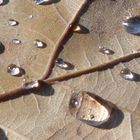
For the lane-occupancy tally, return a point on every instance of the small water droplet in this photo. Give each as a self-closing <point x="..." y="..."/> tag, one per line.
<point x="14" y="70"/>
<point x="43" y="1"/>
<point x="30" y="16"/>
<point x="16" y="41"/>
<point x="106" y="51"/>
<point x="13" y="22"/>
<point x="60" y="63"/>
<point x="90" y="108"/>
<point x="39" y="44"/>
<point x="80" y="29"/>
<point x="32" y="84"/>
<point x="132" y="25"/>
<point x="127" y="74"/>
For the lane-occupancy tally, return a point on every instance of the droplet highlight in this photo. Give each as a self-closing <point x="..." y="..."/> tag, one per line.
<point x="60" y="63"/>
<point x="39" y="2"/>
<point x="106" y="51"/>
<point x="32" y="84"/>
<point x="16" y="41"/>
<point x="90" y="108"/>
<point x="127" y="74"/>
<point x="39" y="44"/>
<point x="14" y="70"/>
<point x="12" y="22"/>
<point x="132" y="25"/>
<point x="1" y="2"/>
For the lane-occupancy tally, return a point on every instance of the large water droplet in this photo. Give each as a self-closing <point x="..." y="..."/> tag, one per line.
<point x="32" y="84"/>
<point x="14" y="70"/>
<point x="132" y="25"/>
<point x="90" y="108"/>
<point x="16" y="41"/>
<point x="127" y="74"/>
<point x="13" y="22"/>
<point x="43" y="1"/>
<point x="39" y="44"/>
<point x="106" y="51"/>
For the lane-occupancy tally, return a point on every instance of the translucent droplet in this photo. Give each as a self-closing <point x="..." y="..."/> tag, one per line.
<point x="127" y="74"/>
<point x="32" y="84"/>
<point x="16" y="41"/>
<point x="39" y="44"/>
<point x="80" y="29"/>
<point x="14" y="70"/>
<point x="106" y="51"/>
<point x="60" y="63"/>
<point x="90" y="108"/>
<point x="30" y="16"/>
<point x="12" y="22"/>
<point x="132" y="25"/>
<point x="43" y="1"/>
<point x="1" y="2"/>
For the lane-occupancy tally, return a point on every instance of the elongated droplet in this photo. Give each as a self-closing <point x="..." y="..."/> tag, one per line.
<point x="90" y="108"/>
<point x="39" y="44"/>
<point x="16" y="41"/>
<point x="127" y="74"/>
<point x="14" y="70"/>
<point x="32" y="84"/>
<point x="106" y="51"/>
<point x="60" y="63"/>
<point x="132" y="25"/>
<point x="43" y="1"/>
<point x="13" y="22"/>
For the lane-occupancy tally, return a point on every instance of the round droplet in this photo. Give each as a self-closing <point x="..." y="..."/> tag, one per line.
<point x="60" y="63"/>
<point x="30" y="16"/>
<point x="106" y="51"/>
<point x="43" y="1"/>
<point x="14" y="70"/>
<point x="32" y="84"/>
<point x="12" y="22"/>
<point x="16" y="41"/>
<point x="132" y="25"/>
<point x="90" y="108"/>
<point x="39" y="44"/>
<point x="127" y="74"/>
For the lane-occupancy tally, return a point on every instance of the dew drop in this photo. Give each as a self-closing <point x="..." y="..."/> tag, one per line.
<point x="1" y="2"/>
<point x="16" y="41"/>
<point x="127" y="74"/>
<point x="90" y="108"/>
<point x="14" y="70"/>
<point x="60" y="63"/>
<point x="32" y="84"/>
<point x="30" y="16"/>
<point x="132" y="25"/>
<point x="39" y="44"/>
<point x="80" y="29"/>
<point x="106" y="51"/>
<point x="13" y="22"/>
<point x="42" y="1"/>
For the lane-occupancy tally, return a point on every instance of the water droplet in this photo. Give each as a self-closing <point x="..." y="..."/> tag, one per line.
<point x="106" y="51"/>
<point x="90" y="108"/>
<point x="39" y="44"/>
<point x="14" y="70"/>
<point x="80" y="29"/>
<point x="30" y="16"/>
<point x="16" y="41"/>
<point x="127" y="74"/>
<point x="1" y="2"/>
<point x="60" y="63"/>
<point x="43" y="1"/>
<point x="132" y="25"/>
<point x="32" y="84"/>
<point x="13" y="22"/>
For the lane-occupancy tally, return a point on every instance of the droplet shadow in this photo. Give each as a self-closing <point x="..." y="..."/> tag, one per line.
<point x="2" y="48"/>
<point x="3" y="135"/>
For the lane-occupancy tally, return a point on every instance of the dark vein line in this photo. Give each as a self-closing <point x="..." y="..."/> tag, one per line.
<point x="100" y="67"/>
<point x="21" y="91"/>
<point x="58" y="45"/>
